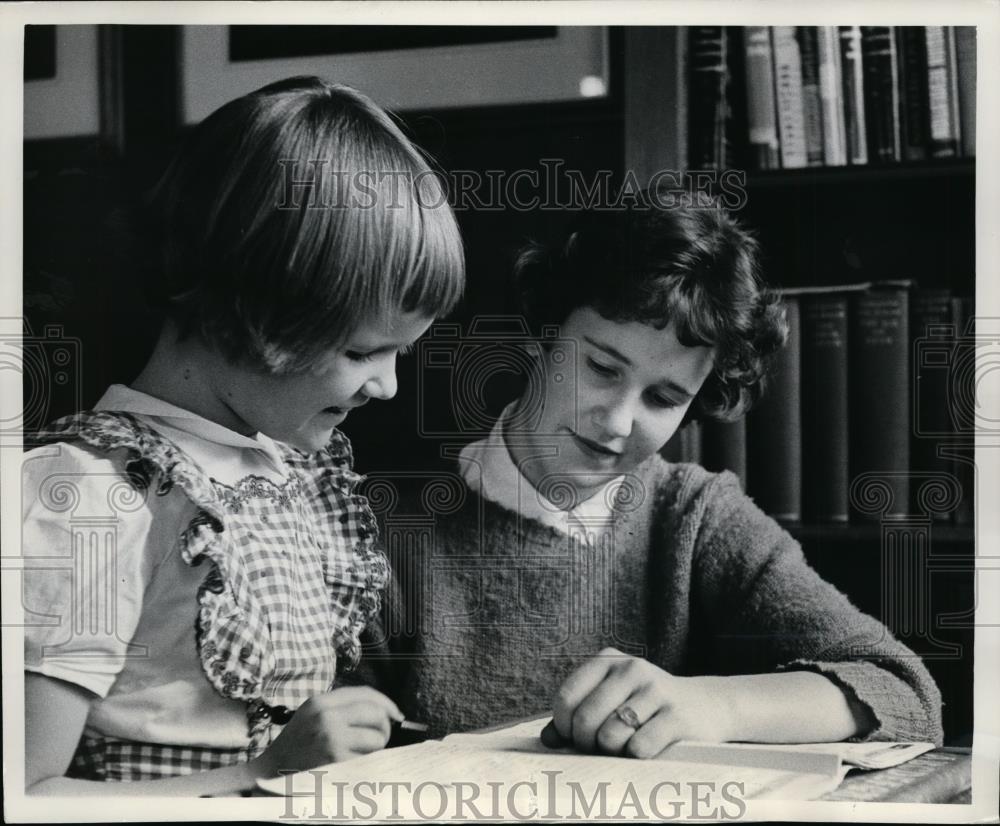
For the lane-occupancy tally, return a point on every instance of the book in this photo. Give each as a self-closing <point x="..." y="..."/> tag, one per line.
<point x="965" y="50"/>
<point x="774" y="431"/>
<point x="911" y="64"/>
<point x="881" y="93"/>
<point x="942" y="92"/>
<point x="724" y="447"/>
<point x="853" y="95"/>
<point x="762" y="117"/>
<point x="879" y="401"/>
<point x="511" y="772"/>
<point x="933" y="332"/>
<point x="831" y="96"/>
<point x="812" y="103"/>
<point x="707" y="105"/>
<point x="825" y="407"/>
<point x="963" y="393"/>
<point x="652" y="54"/>
<point x="788" y="97"/>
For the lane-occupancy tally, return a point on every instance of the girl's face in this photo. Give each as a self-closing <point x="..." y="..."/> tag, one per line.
<point x="301" y="409"/>
<point x="634" y="383"/>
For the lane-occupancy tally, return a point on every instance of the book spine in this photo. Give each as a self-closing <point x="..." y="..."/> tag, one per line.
<point x="911" y="49"/>
<point x="774" y="432"/>
<point x="965" y="48"/>
<point x="879" y="401"/>
<point x="878" y="53"/>
<point x="852" y="86"/>
<point x="707" y="99"/>
<point x="932" y="327"/>
<point x="788" y="97"/>
<point x="824" y="408"/>
<point x="682" y="89"/>
<point x="963" y="396"/>
<point x="724" y="447"/>
<point x="735" y="101"/>
<point x="831" y="97"/>
<point x="684" y="445"/>
<point x="812" y="104"/>
<point x="761" y="114"/>
<point x="944" y="137"/>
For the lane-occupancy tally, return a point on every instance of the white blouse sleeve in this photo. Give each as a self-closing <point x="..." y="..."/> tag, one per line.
<point x="87" y="561"/>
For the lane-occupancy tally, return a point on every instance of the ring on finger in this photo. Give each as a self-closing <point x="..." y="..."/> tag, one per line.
<point x="627" y="715"/>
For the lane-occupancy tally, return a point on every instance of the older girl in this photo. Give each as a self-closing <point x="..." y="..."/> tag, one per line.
<point x="641" y="602"/>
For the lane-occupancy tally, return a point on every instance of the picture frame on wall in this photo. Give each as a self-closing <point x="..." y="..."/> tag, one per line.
<point x="422" y="68"/>
<point x="61" y="98"/>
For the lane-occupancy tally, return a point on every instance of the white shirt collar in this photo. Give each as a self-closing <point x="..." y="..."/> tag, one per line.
<point x="122" y="398"/>
<point x="487" y="467"/>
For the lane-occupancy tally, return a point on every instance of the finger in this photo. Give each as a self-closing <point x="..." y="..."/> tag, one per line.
<point x="365" y="740"/>
<point x="577" y="686"/>
<point x="552" y="738"/>
<point x="360" y="693"/>
<point x="366" y="715"/>
<point x="623" y="680"/>
<point x="616" y="730"/>
<point x="654" y="736"/>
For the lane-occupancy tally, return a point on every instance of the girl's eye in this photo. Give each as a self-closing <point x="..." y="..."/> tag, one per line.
<point x="662" y="401"/>
<point x="601" y="369"/>
<point x="353" y="355"/>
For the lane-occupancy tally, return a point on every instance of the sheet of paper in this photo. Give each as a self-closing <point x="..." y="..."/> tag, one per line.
<point x="512" y="770"/>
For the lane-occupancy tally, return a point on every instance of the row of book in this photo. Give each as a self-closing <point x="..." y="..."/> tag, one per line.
<point x="868" y="413"/>
<point x="786" y="97"/>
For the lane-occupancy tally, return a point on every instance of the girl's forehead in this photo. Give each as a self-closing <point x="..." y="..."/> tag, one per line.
<point x="657" y="353"/>
<point x="392" y="326"/>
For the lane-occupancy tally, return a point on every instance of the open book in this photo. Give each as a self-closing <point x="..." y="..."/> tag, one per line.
<point x="508" y="773"/>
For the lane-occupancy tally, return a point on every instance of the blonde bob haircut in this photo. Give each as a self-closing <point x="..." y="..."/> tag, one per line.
<point x="294" y="215"/>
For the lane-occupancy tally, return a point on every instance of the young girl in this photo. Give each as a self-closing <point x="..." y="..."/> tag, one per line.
<point x="641" y="602"/>
<point x="219" y="565"/>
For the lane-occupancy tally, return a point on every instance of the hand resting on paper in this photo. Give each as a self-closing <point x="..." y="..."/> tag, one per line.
<point x="623" y="705"/>
<point x="329" y="728"/>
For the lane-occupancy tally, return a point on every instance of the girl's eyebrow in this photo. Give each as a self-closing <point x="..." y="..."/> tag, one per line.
<point x="616" y="354"/>
<point x="382" y="348"/>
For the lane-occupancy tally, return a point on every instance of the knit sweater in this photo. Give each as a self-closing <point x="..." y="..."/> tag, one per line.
<point x="491" y="611"/>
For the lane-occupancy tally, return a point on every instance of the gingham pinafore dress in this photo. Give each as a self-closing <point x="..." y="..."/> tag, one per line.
<point x="292" y="579"/>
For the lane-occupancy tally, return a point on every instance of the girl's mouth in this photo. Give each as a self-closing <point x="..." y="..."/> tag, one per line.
<point x="595" y="450"/>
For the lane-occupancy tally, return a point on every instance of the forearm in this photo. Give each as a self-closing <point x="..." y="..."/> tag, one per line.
<point x="230" y="780"/>
<point x="790" y="707"/>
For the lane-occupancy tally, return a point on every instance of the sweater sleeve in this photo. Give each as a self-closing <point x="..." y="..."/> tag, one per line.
<point x="769" y="611"/>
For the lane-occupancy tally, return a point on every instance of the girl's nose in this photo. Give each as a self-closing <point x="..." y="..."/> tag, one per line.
<point x="383" y="384"/>
<point x="616" y="418"/>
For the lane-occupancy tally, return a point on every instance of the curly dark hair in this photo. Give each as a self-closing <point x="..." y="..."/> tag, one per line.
<point x="693" y="266"/>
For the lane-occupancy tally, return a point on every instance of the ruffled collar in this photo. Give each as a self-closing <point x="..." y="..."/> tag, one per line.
<point x="231" y="628"/>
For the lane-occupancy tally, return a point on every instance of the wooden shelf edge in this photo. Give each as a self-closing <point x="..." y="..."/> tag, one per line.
<point x="853" y="531"/>
<point x="880" y="173"/>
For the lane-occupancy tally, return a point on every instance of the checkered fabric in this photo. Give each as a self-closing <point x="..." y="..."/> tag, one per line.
<point x="295" y="575"/>
<point x="105" y="758"/>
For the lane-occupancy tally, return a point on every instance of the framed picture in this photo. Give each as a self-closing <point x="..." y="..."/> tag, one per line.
<point x="400" y="67"/>
<point x="61" y="97"/>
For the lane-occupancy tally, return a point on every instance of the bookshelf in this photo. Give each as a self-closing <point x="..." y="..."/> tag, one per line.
<point x="823" y="226"/>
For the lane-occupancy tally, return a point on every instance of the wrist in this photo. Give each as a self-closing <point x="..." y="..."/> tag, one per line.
<point x="725" y="710"/>
<point x="259" y="768"/>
